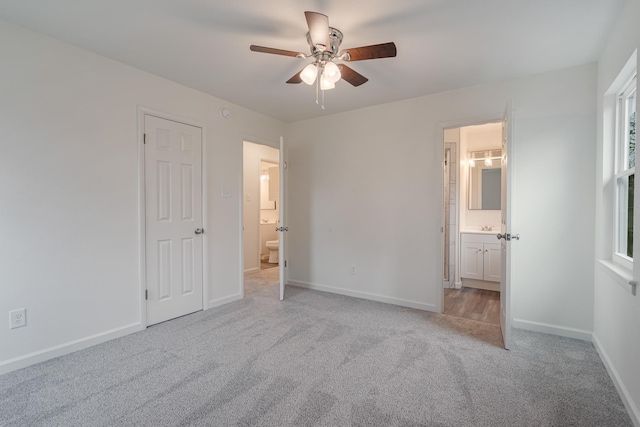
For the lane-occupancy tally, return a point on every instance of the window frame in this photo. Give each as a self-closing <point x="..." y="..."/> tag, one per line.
<point x="622" y="169"/>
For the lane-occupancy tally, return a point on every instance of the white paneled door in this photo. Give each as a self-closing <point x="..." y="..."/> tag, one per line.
<point x="505" y="229"/>
<point x="173" y="222"/>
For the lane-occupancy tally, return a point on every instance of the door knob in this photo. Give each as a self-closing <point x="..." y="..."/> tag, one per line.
<point x="199" y="230"/>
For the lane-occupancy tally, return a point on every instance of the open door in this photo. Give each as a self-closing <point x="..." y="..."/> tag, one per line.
<point x="283" y="228"/>
<point x="505" y="229"/>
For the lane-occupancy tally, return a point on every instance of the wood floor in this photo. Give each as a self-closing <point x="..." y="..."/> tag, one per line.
<point x="475" y="304"/>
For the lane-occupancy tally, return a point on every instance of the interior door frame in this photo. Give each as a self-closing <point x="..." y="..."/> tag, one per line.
<point x="440" y="128"/>
<point x="142" y="111"/>
<point x="259" y="240"/>
<point x="258" y="141"/>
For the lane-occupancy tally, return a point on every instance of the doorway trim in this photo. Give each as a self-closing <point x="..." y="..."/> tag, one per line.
<point x="262" y="160"/>
<point x="142" y="111"/>
<point x="440" y="128"/>
<point x="258" y="141"/>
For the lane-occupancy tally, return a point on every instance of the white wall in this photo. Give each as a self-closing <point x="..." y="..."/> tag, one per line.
<point x="69" y="192"/>
<point x="477" y="138"/>
<point x="388" y="221"/>
<point x="616" y="311"/>
<point x="253" y="153"/>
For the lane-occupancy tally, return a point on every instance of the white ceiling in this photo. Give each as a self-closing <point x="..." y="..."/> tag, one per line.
<point x="442" y="44"/>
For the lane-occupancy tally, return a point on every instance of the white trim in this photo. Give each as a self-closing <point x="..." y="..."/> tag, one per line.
<point x="142" y="214"/>
<point x="439" y="129"/>
<point x="473" y="121"/>
<point x="439" y="307"/>
<point x="141" y="112"/>
<point x="621" y="170"/>
<point x="241" y="222"/>
<point x="224" y="300"/>
<point x="205" y="224"/>
<point x="364" y="295"/>
<point x="242" y="271"/>
<point x="66" y="348"/>
<point x="632" y="409"/>
<point x="546" y="328"/>
<point x="621" y="275"/>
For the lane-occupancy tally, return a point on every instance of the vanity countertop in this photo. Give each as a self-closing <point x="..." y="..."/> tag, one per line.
<point x="480" y="231"/>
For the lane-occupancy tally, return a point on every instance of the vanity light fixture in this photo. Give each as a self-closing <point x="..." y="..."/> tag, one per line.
<point x="487" y="156"/>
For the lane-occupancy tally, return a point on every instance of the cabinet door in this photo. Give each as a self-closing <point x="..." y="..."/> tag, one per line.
<point x="471" y="261"/>
<point x="492" y="256"/>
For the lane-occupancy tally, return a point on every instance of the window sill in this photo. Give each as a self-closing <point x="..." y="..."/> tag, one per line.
<point x="621" y="275"/>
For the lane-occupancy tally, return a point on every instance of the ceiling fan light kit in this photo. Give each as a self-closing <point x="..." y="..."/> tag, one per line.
<point x="309" y="74"/>
<point x="324" y="43"/>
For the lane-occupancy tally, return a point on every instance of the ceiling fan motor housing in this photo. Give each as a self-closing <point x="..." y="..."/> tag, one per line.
<point x="335" y="39"/>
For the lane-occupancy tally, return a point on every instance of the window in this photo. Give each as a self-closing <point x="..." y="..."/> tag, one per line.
<point x="625" y="173"/>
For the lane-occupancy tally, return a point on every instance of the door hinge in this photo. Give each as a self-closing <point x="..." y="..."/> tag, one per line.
<point x="146" y="294"/>
<point x="285" y="263"/>
<point x="144" y="138"/>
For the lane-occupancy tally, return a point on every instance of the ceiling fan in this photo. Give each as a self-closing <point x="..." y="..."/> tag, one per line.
<point x="324" y="42"/>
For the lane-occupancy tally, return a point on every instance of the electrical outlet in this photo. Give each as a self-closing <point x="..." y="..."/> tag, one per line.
<point x="354" y="269"/>
<point x="18" y="318"/>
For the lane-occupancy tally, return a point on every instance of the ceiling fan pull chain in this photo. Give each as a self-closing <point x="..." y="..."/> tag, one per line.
<point x="323" y="99"/>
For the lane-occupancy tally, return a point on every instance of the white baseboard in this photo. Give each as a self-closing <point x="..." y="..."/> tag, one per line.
<point x="632" y="409"/>
<point x="62" y="349"/>
<point x="252" y="270"/>
<point x="552" y="329"/>
<point x="364" y="295"/>
<point x="225" y="300"/>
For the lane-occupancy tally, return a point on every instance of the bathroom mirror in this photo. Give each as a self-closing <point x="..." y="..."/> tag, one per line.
<point x="484" y="187"/>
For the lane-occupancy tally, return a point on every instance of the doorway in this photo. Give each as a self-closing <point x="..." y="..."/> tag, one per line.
<point x="471" y="252"/>
<point x="173" y="218"/>
<point x="261" y="218"/>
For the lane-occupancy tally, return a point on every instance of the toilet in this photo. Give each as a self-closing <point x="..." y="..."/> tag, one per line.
<point x="273" y="246"/>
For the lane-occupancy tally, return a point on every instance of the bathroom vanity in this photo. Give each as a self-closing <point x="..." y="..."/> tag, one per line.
<point x="480" y="260"/>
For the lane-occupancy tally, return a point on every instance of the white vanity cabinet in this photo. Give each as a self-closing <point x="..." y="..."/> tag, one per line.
<point x="480" y="256"/>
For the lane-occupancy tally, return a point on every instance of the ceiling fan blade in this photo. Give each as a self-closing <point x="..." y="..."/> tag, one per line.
<point x="296" y="79"/>
<point x="353" y="77"/>
<point x="263" y="49"/>
<point x="318" y="29"/>
<point x="384" y="50"/>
